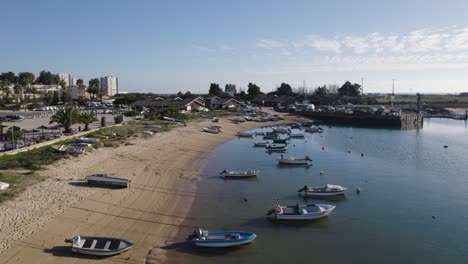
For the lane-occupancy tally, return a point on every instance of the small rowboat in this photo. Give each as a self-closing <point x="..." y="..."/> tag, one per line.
<point x="281" y="130"/>
<point x="300" y="211"/>
<point x="203" y="238"/>
<point x="239" y="174"/>
<point x="293" y="160"/>
<point x="260" y="143"/>
<point x="260" y="133"/>
<point x="327" y="190"/>
<point x="211" y="130"/>
<point x="99" y="246"/>
<point x="103" y="179"/>
<point x="280" y="140"/>
<point x="245" y="134"/>
<point x="272" y="136"/>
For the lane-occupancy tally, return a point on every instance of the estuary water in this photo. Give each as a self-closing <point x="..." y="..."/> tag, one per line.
<point x="413" y="205"/>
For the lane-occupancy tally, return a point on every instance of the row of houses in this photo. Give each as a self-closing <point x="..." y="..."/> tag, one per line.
<point x="192" y="104"/>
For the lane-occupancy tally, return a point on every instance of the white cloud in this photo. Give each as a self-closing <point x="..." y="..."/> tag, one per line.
<point x="270" y="43"/>
<point x="202" y="48"/>
<point x="322" y="44"/>
<point x="358" y="44"/>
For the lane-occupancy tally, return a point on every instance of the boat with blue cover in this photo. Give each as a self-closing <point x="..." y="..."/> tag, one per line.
<point x="203" y="238"/>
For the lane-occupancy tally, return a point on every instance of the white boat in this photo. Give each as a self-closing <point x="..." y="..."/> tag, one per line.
<point x="239" y="174"/>
<point x="203" y="238"/>
<point x="99" y="246"/>
<point x="275" y="147"/>
<point x="327" y="190"/>
<point x="104" y="179"/>
<point x="92" y="140"/>
<point x="4" y="186"/>
<point x="148" y="132"/>
<point x="260" y="133"/>
<point x="260" y="143"/>
<point x="281" y="130"/>
<point x="245" y="134"/>
<point x="300" y="211"/>
<point x="293" y="160"/>
<point x="313" y="129"/>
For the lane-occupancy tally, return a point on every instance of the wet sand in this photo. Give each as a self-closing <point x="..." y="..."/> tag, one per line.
<point x="164" y="170"/>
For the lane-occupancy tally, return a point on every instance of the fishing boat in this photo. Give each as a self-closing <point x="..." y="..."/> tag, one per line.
<point x="245" y="134"/>
<point x="275" y="147"/>
<point x="281" y="130"/>
<point x="239" y="174"/>
<point x="300" y="211"/>
<point x="203" y="238"/>
<point x="99" y="246"/>
<point x="260" y="133"/>
<point x="281" y="140"/>
<point x="104" y="179"/>
<point x="327" y="190"/>
<point x="260" y="143"/>
<point x="293" y="160"/>
<point x="314" y="129"/>
<point x="297" y="125"/>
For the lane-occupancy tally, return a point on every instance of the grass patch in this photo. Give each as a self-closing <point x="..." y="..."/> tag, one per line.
<point x="32" y="160"/>
<point x="18" y="183"/>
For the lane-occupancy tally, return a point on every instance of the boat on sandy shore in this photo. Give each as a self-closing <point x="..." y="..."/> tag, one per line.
<point x="300" y="211"/>
<point x="4" y="186"/>
<point x="239" y="174"/>
<point x="212" y="129"/>
<point x="293" y="160"/>
<point x="327" y="190"/>
<point x="99" y="246"/>
<point x="91" y="140"/>
<point x="281" y="130"/>
<point x="104" y="179"/>
<point x="203" y="238"/>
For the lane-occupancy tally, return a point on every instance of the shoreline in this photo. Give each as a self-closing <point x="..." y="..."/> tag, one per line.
<point x="164" y="171"/>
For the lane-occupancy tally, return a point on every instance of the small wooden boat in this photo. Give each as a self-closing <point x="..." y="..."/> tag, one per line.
<point x="313" y="129"/>
<point x="239" y="174"/>
<point x="99" y="246"/>
<point x="104" y="179"/>
<point x="293" y="160"/>
<point x="91" y="140"/>
<point x="327" y="190"/>
<point x="272" y="136"/>
<point x="300" y="211"/>
<point x="245" y="134"/>
<point x="203" y="238"/>
<point x="260" y="143"/>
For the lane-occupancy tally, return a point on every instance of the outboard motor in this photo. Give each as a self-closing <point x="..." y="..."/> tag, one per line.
<point x="303" y="188"/>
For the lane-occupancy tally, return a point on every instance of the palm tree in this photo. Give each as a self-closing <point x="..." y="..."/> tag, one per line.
<point x="87" y="118"/>
<point x="66" y="117"/>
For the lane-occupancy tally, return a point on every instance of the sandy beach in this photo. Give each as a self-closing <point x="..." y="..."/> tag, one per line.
<point x="164" y="170"/>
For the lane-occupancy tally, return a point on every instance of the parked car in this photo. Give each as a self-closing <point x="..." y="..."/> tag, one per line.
<point x="291" y="107"/>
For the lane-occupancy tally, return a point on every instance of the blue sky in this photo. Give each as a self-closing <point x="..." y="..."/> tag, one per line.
<point x="170" y="46"/>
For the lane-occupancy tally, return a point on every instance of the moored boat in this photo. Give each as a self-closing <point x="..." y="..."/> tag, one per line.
<point x="99" y="246"/>
<point x="294" y="160"/>
<point x="327" y="190"/>
<point x="239" y="174"/>
<point x="260" y="143"/>
<point x="104" y="179"/>
<point x="296" y="135"/>
<point x="245" y="134"/>
<point x="281" y="130"/>
<point x="203" y="238"/>
<point x="275" y="147"/>
<point x="300" y="211"/>
<point x="212" y="130"/>
<point x="314" y="129"/>
<point x="281" y="140"/>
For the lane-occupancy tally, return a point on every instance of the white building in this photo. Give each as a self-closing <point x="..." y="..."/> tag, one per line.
<point x="65" y="77"/>
<point x="109" y="85"/>
<point x="76" y="92"/>
<point x="73" y="81"/>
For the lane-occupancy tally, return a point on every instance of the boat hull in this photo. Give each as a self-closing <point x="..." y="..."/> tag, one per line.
<point x="245" y="238"/>
<point x="107" y="181"/>
<point x="312" y="212"/>
<point x="310" y="193"/>
<point x="293" y="162"/>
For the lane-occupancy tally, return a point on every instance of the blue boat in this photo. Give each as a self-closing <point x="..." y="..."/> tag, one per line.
<point x="203" y="238"/>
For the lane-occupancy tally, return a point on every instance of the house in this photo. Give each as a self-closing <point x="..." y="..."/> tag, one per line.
<point x="222" y="103"/>
<point x="184" y="105"/>
<point x="77" y="92"/>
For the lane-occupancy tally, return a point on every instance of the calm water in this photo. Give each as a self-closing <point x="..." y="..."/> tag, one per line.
<point x="406" y="177"/>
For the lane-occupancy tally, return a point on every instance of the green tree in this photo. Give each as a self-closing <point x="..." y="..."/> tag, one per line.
<point x="93" y="87"/>
<point x="321" y="91"/>
<point x="86" y="118"/>
<point x="348" y="89"/>
<point x="79" y="82"/>
<point x="8" y="77"/>
<point x="48" y="98"/>
<point x="46" y="78"/>
<point x="253" y="90"/>
<point x="284" y="90"/>
<point x="187" y="94"/>
<point x="215" y="90"/>
<point x="26" y="78"/>
<point x="56" y="98"/>
<point x="231" y="87"/>
<point x="66" y="117"/>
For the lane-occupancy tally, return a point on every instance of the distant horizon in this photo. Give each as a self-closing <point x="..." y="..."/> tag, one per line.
<point x="164" y="47"/>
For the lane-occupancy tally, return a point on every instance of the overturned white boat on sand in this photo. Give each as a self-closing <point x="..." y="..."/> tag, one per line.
<point x="99" y="246"/>
<point x="327" y="190"/>
<point x="104" y="179"/>
<point x="300" y="211"/>
<point x="203" y="238"/>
